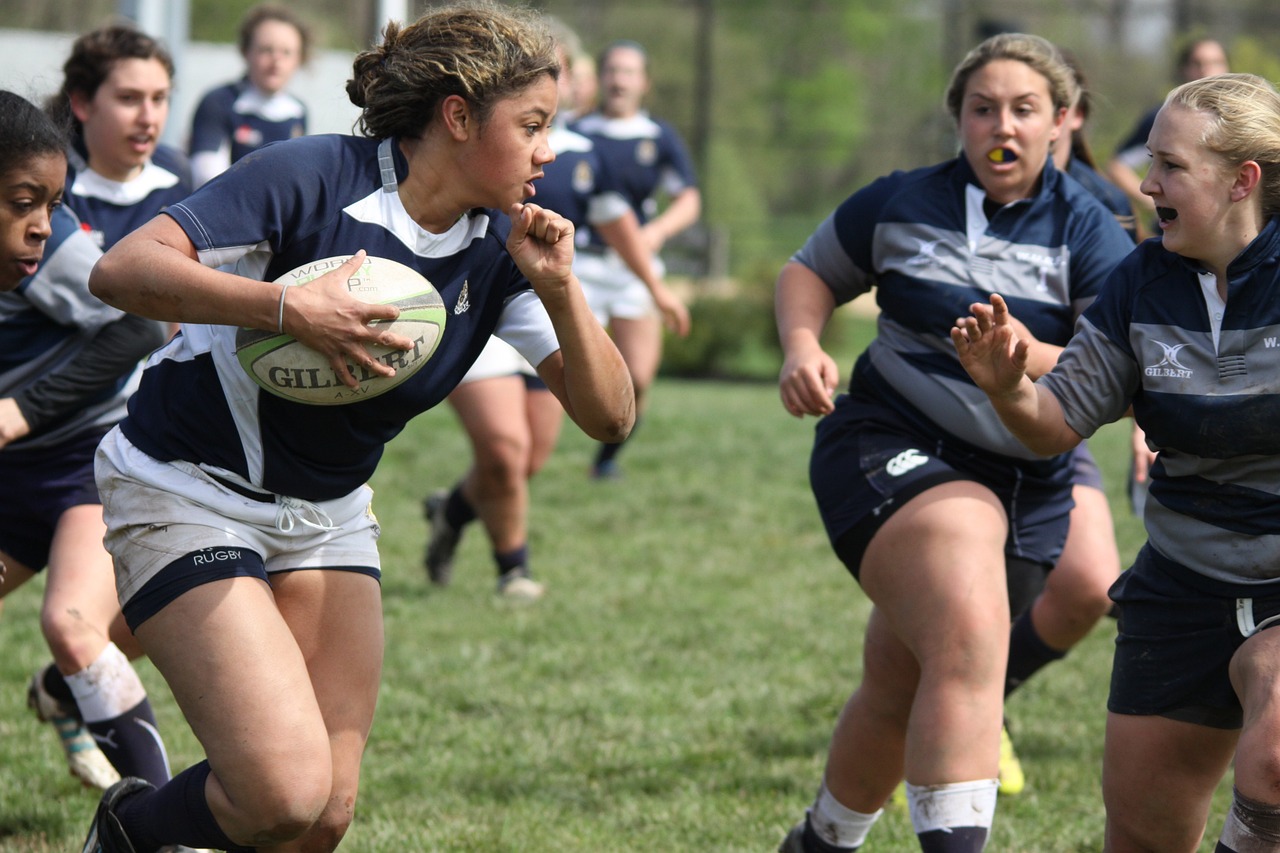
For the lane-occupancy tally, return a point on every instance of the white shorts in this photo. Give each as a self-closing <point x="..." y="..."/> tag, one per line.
<point x="498" y="358"/>
<point x="158" y="512"/>
<point x="612" y="289"/>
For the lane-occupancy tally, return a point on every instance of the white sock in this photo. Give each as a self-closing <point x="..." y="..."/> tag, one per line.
<point x="957" y="804"/>
<point x="838" y="825"/>
<point x="108" y="687"/>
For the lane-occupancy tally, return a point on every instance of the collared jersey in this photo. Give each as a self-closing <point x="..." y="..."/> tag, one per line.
<point x="232" y="120"/>
<point x="924" y="242"/>
<point x="578" y="185"/>
<point x="645" y="156"/>
<point x="1204" y="380"/>
<point x="47" y="321"/>
<point x="285" y="206"/>
<point x="109" y="209"/>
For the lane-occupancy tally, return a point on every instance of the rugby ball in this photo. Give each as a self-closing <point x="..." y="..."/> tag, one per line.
<point x="285" y="367"/>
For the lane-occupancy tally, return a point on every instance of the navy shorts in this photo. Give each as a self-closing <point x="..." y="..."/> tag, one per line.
<point x="1177" y="633"/>
<point x="36" y="487"/>
<point x="1084" y="468"/>
<point x="868" y="462"/>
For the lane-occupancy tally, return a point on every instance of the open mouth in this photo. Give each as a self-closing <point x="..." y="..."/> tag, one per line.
<point x="1168" y="214"/>
<point x="1002" y="155"/>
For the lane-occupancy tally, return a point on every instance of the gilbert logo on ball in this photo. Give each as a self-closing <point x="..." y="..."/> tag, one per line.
<point x="287" y="368"/>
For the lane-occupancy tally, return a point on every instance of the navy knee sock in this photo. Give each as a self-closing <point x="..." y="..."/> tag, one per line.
<point x="177" y="813"/>
<point x="956" y="839"/>
<point x="458" y="511"/>
<point x="1027" y="653"/>
<point x="131" y="742"/>
<point x="513" y="559"/>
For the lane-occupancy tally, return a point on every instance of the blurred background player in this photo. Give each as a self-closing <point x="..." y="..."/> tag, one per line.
<point x="927" y="500"/>
<point x="115" y="93"/>
<point x="67" y="365"/>
<point x="1201" y="57"/>
<point x="647" y="159"/>
<point x="509" y="415"/>
<point x="234" y="119"/>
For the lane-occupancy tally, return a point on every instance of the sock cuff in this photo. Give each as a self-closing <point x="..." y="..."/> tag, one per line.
<point x="837" y="824"/>
<point x="458" y="511"/>
<point x="108" y="687"/>
<point x="952" y="805"/>
<point x="1024" y="631"/>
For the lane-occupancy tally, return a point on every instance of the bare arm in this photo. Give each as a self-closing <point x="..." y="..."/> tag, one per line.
<point x="154" y="272"/>
<point x="803" y="304"/>
<point x="996" y="359"/>
<point x="681" y="213"/>
<point x="587" y="374"/>
<point x="624" y="236"/>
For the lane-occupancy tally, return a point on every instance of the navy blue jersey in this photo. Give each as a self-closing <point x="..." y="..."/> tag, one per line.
<point x="923" y="240"/>
<point x="287" y="205"/>
<point x="109" y="210"/>
<point x="46" y="323"/>
<point x="1203" y="377"/>
<point x="645" y="156"/>
<point x="1111" y="196"/>
<point x="232" y="120"/>
<point x="578" y="185"/>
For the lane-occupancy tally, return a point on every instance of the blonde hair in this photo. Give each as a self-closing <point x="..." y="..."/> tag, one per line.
<point x="1244" y="124"/>
<point x="1037" y="53"/>
<point x="478" y="50"/>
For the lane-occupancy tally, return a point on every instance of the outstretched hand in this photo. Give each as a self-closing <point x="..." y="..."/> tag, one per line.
<point x="989" y="348"/>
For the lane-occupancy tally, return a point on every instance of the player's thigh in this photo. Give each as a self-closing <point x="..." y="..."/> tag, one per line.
<point x="545" y="416"/>
<point x="1158" y="779"/>
<point x="639" y="341"/>
<point x="80" y="574"/>
<point x="1090" y="561"/>
<point x="336" y="619"/>
<point x="935" y="568"/>
<point x="492" y="411"/>
<point x="241" y="680"/>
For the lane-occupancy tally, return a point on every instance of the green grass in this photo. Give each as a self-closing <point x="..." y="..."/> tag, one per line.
<point x="676" y="689"/>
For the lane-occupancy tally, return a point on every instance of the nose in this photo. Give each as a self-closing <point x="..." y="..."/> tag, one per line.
<point x="544" y="155"/>
<point x="1004" y="124"/>
<point x="1148" y="185"/>
<point x="41" y="226"/>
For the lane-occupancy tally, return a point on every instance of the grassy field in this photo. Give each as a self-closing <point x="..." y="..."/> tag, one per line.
<point x="675" y="690"/>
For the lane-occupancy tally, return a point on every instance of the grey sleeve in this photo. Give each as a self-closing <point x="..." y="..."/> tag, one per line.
<point x="825" y="255"/>
<point x="1094" y="380"/>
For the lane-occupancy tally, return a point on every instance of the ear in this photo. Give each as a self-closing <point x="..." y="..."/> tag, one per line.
<point x="1248" y="177"/>
<point x="1058" y="121"/>
<point x="458" y="120"/>
<point x="79" y="106"/>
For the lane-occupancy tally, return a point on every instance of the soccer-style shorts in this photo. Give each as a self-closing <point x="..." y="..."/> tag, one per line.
<point x="36" y="487"/>
<point x="868" y="462"/>
<point x="611" y="288"/>
<point x="1177" y="633"/>
<point x="173" y="526"/>
<point x="499" y="358"/>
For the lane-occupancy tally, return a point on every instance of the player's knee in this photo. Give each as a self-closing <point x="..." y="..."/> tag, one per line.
<point x="279" y="813"/>
<point x="74" y="643"/>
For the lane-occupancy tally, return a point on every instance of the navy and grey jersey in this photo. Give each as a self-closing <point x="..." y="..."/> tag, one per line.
<point x="645" y="156"/>
<point x="232" y="120"/>
<point x="285" y="206"/>
<point x="924" y="242"/>
<point x="578" y="185"/>
<point x="1111" y="196"/>
<point x="109" y="210"/>
<point x="1203" y="377"/>
<point x="50" y="320"/>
